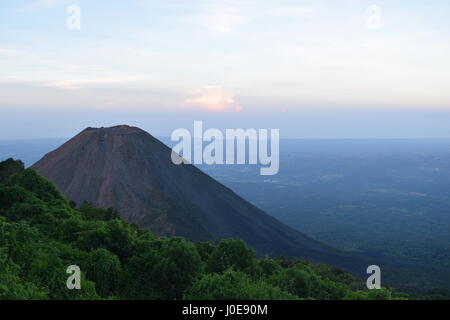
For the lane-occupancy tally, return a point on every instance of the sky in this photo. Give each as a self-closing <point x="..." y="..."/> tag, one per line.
<point x="313" y="69"/>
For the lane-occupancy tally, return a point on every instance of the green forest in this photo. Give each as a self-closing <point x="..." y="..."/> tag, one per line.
<point x="42" y="233"/>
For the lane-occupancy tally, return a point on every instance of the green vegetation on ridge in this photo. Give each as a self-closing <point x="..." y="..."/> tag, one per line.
<point x="42" y="233"/>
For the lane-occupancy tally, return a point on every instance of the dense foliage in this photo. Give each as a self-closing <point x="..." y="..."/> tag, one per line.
<point x="42" y="233"/>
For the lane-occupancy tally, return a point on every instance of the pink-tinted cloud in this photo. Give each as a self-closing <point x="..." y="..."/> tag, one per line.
<point x="212" y="99"/>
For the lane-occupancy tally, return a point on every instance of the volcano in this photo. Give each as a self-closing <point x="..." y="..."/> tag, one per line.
<point x="129" y="170"/>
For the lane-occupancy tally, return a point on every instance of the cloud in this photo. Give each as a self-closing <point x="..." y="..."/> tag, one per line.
<point x="212" y="99"/>
<point x="77" y="84"/>
<point x="13" y="53"/>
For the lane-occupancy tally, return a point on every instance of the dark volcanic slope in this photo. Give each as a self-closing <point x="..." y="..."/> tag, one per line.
<point x="126" y="168"/>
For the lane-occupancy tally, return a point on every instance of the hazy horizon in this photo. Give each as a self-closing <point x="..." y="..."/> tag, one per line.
<point x="281" y="138"/>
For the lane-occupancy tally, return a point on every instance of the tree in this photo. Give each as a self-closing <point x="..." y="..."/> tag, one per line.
<point x="232" y="253"/>
<point x="10" y="167"/>
<point x="104" y="269"/>
<point x="234" y="285"/>
<point x="30" y="180"/>
<point x="162" y="270"/>
<point x="12" y="287"/>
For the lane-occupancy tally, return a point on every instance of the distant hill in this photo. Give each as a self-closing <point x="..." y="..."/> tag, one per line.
<point x="129" y="170"/>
